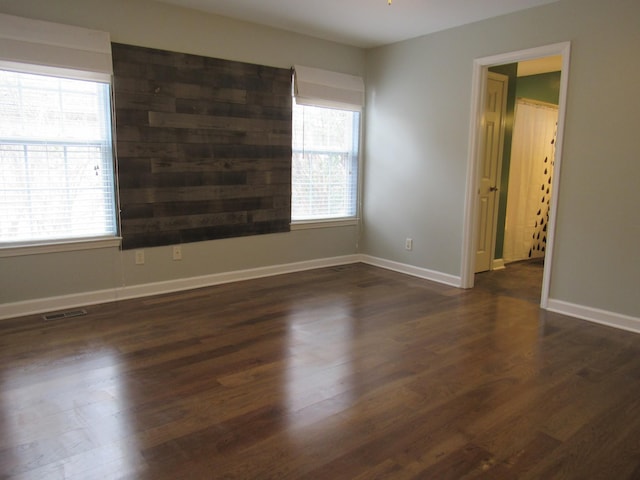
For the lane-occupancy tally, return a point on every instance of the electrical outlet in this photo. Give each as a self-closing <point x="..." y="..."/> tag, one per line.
<point x="139" y="257"/>
<point x="408" y="244"/>
<point x="177" y="252"/>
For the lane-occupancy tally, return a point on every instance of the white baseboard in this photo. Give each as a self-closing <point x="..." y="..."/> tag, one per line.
<point x="145" y="290"/>
<point x="603" y="317"/>
<point x="497" y="264"/>
<point x="412" y="270"/>
<point x="50" y="304"/>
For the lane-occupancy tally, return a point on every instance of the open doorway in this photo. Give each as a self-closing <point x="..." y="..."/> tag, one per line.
<point x="475" y="171"/>
<point x="524" y="189"/>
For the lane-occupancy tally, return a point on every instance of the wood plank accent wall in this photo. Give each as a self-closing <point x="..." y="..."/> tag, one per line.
<point x="203" y="145"/>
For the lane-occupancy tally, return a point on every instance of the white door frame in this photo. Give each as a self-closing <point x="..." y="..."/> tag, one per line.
<point x="480" y="68"/>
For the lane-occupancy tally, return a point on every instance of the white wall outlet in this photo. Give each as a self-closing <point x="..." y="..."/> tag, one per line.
<point x="139" y="257"/>
<point x="408" y="244"/>
<point x="177" y="252"/>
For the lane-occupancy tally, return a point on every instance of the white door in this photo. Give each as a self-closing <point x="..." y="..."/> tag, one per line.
<point x="493" y="139"/>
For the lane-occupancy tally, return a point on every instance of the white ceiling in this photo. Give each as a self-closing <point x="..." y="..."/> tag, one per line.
<point x="361" y="23"/>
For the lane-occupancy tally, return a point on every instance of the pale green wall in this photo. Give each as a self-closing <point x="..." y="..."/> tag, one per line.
<point x="418" y="117"/>
<point x="156" y="25"/>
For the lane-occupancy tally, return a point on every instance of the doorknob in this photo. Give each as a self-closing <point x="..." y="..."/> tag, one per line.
<point x="493" y="189"/>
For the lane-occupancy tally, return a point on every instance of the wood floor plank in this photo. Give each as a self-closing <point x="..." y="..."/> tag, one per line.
<point x="349" y="372"/>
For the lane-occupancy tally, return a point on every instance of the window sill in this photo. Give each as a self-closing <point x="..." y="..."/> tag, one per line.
<point x="62" y="246"/>
<point x="329" y="223"/>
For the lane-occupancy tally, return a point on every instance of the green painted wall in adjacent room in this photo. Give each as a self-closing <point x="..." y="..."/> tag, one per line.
<point x="544" y="87"/>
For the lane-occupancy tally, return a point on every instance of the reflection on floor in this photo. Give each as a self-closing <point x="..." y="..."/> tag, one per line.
<point x="521" y="280"/>
<point x="343" y="373"/>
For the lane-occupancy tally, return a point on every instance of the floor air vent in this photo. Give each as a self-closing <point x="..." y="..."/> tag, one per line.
<point x="61" y="315"/>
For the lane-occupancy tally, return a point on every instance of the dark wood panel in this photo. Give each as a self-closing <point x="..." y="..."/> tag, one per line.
<point x="198" y="106"/>
<point x="188" y="92"/>
<point x="190" y="127"/>
<point x="183" y="222"/>
<point x="194" y="164"/>
<point x="350" y="372"/>
<point x="193" y="179"/>
<point x="169" y="209"/>
<point x="195" y="193"/>
<point x="211" y="122"/>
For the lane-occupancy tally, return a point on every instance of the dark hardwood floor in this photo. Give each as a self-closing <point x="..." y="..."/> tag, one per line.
<point x="351" y="372"/>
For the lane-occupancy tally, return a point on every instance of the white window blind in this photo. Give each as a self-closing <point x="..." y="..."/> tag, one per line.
<point x="57" y="180"/>
<point x="74" y="52"/>
<point x="325" y="163"/>
<point x="317" y="87"/>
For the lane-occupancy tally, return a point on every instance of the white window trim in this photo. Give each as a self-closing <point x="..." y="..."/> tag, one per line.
<point x="61" y="246"/>
<point x="40" y="47"/>
<point x="324" y="223"/>
<point x="309" y="223"/>
<point x="324" y="88"/>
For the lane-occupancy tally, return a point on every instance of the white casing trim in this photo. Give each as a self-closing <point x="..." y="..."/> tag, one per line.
<point x="470" y="220"/>
<point x="603" y="317"/>
<point x="497" y="264"/>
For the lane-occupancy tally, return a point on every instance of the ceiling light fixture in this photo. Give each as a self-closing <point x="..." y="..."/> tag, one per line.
<point x="389" y="2"/>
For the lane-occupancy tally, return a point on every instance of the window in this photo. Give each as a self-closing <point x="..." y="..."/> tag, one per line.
<point x="57" y="169"/>
<point x="326" y="135"/>
<point x="56" y="177"/>
<point x="325" y="163"/>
